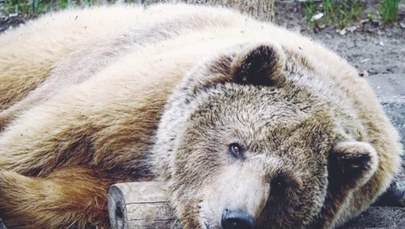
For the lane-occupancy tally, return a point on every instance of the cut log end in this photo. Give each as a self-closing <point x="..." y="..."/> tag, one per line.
<point x="139" y="205"/>
<point x="2" y="226"/>
<point x="116" y="208"/>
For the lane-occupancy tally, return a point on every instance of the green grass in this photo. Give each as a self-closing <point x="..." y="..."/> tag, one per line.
<point x="35" y="7"/>
<point x="336" y="12"/>
<point x="342" y="12"/>
<point x="309" y="10"/>
<point x="345" y="12"/>
<point x="31" y="7"/>
<point x="389" y="10"/>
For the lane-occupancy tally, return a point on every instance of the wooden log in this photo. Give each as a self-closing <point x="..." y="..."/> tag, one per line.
<point x="140" y="205"/>
<point x="2" y="226"/>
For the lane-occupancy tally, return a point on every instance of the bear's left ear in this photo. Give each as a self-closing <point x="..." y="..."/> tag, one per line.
<point x="352" y="164"/>
<point x="261" y="64"/>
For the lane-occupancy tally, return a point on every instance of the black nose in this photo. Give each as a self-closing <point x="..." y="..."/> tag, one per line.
<point x="237" y="219"/>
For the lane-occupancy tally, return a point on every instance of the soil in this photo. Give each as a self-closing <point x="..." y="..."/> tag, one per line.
<point x="373" y="48"/>
<point x="368" y="45"/>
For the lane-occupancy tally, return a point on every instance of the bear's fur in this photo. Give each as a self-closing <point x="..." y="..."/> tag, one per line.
<point x="236" y="115"/>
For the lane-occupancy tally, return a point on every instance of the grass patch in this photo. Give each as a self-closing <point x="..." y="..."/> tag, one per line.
<point x="309" y="10"/>
<point x="35" y="7"/>
<point x="340" y="13"/>
<point x="389" y="10"/>
<point x="25" y="7"/>
<point x="336" y="12"/>
<point x="343" y="12"/>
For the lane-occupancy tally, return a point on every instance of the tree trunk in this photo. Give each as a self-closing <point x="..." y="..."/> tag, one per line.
<point x="259" y="9"/>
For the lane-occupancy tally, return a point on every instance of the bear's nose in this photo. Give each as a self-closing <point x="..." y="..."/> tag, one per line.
<point x="237" y="219"/>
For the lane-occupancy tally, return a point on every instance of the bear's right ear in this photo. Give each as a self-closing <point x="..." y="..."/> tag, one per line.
<point x="351" y="164"/>
<point x="261" y="64"/>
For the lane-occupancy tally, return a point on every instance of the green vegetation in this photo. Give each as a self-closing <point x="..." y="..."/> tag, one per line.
<point x="27" y="7"/>
<point x="309" y="10"/>
<point x="35" y="7"/>
<point x="336" y="12"/>
<point x="341" y="12"/>
<point x="389" y="10"/>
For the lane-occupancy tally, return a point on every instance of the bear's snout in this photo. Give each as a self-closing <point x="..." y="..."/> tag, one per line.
<point x="236" y="219"/>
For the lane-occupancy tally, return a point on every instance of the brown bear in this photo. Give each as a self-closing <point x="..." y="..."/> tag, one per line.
<point x="252" y="126"/>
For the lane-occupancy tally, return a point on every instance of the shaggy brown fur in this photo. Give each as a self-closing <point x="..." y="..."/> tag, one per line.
<point x="235" y="114"/>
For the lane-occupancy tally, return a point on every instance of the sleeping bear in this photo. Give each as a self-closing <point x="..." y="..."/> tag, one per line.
<point x="250" y="125"/>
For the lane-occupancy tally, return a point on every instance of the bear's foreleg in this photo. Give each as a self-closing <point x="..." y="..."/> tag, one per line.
<point x="67" y="198"/>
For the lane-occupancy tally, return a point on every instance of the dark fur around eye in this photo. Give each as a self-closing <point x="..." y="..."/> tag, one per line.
<point x="278" y="186"/>
<point x="236" y="151"/>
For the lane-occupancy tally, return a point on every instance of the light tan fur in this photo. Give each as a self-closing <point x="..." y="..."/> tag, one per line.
<point x="82" y="93"/>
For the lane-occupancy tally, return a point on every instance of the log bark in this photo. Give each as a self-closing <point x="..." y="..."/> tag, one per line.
<point x="259" y="9"/>
<point x="140" y="205"/>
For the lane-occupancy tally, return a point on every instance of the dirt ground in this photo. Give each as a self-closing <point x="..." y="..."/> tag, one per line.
<point x="369" y="46"/>
<point x="374" y="49"/>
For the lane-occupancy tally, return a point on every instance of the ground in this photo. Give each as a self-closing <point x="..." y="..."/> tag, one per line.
<point x="377" y="51"/>
<point x="369" y="46"/>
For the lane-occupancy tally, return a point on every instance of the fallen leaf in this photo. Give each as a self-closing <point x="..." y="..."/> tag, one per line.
<point x="317" y="17"/>
<point x="351" y="28"/>
<point x="342" y="32"/>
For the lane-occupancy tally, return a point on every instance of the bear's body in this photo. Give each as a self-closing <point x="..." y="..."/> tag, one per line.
<point x="93" y="97"/>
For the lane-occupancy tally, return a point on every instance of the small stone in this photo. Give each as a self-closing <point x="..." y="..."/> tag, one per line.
<point x="363" y="74"/>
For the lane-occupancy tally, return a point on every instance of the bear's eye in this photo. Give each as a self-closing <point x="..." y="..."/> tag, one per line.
<point x="236" y="151"/>
<point x="278" y="186"/>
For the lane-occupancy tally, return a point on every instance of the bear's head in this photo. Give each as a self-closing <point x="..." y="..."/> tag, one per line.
<point x="254" y="138"/>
